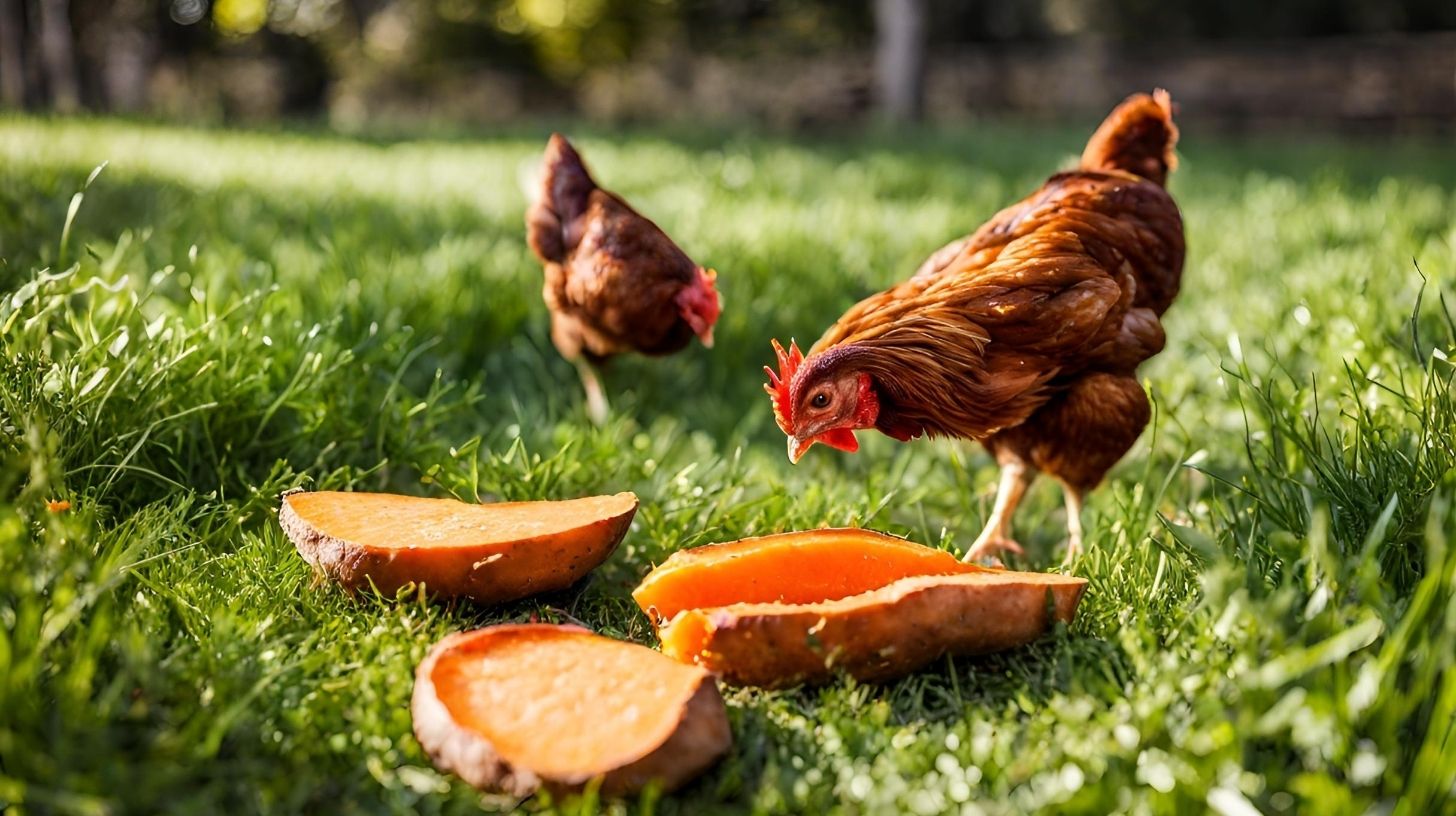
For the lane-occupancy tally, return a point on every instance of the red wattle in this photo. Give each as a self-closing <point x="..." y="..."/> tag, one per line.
<point x="840" y="439"/>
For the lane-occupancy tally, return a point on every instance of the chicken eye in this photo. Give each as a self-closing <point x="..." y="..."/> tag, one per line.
<point x="820" y="400"/>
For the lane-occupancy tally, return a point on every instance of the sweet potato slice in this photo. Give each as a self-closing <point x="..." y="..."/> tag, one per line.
<point x="801" y="567"/>
<point x="796" y="608"/>
<point x="517" y="707"/>
<point x="490" y="553"/>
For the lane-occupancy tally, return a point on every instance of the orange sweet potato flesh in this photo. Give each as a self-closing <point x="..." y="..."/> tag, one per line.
<point x="517" y="707"/>
<point x="800" y="567"/>
<point x="793" y="609"/>
<point x="490" y="553"/>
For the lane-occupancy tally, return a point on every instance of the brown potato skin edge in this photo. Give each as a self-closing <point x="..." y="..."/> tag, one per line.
<point x="701" y="738"/>
<point x="881" y="639"/>
<point x="530" y="566"/>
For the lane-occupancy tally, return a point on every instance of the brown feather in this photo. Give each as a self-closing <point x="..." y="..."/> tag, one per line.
<point x="611" y="275"/>
<point x="1065" y="285"/>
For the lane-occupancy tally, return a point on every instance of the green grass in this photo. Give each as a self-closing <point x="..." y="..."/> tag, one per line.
<point x="1270" y="622"/>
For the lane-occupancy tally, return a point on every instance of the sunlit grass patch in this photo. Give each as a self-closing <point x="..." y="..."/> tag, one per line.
<point x="232" y="315"/>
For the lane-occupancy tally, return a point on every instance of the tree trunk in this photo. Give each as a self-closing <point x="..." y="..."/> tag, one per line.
<point x="126" y="48"/>
<point x="900" y="58"/>
<point x="58" y="52"/>
<point x="12" y="55"/>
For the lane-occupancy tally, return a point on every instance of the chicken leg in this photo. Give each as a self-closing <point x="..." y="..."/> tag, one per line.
<point x="1074" y="523"/>
<point x="1075" y="439"/>
<point x="996" y="537"/>
<point x="596" y="398"/>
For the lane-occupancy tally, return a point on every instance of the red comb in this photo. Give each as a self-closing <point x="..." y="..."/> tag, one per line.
<point x="778" y="384"/>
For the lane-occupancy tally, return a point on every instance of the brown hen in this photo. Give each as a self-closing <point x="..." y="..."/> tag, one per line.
<point x="1025" y="335"/>
<point x="614" y="281"/>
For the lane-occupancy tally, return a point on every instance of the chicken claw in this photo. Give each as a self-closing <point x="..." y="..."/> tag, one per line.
<point x="1015" y="477"/>
<point x="984" y="551"/>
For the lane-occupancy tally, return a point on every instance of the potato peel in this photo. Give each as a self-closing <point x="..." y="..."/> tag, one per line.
<point x="798" y="625"/>
<point x="490" y="553"/>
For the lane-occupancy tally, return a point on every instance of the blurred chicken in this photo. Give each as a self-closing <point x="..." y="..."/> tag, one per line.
<point x="1025" y="335"/>
<point x="614" y="281"/>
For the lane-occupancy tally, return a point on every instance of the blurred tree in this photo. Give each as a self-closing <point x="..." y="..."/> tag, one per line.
<point x="1160" y="20"/>
<point x="12" y="58"/>
<point x="979" y="21"/>
<point x="768" y="27"/>
<point x="239" y="18"/>
<point x="568" y="35"/>
<point x="58" y="53"/>
<point x="126" y="54"/>
<point x="118" y="43"/>
<point x="900" y="58"/>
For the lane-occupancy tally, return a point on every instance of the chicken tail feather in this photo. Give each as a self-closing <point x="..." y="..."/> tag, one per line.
<point x="552" y="223"/>
<point x="1137" y="137"/>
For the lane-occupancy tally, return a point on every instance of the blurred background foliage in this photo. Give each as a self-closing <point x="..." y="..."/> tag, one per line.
<point x="795" y="62"/>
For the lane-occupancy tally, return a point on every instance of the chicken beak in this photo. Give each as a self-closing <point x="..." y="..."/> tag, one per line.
<point x="706" y="336"/>
<point x="797" y="448"/>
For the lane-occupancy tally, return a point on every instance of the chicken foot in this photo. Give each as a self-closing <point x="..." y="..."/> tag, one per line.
<point x="996" y="537"/>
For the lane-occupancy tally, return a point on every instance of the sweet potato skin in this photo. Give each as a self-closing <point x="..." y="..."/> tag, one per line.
<point x="693" y="748"/>
<point x="484" y="574"/>
<point x="874" y="637"/>
<point x="701" y="738"/>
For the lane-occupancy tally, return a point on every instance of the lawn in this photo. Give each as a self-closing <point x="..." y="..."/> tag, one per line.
<point x="216" y="317"/>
